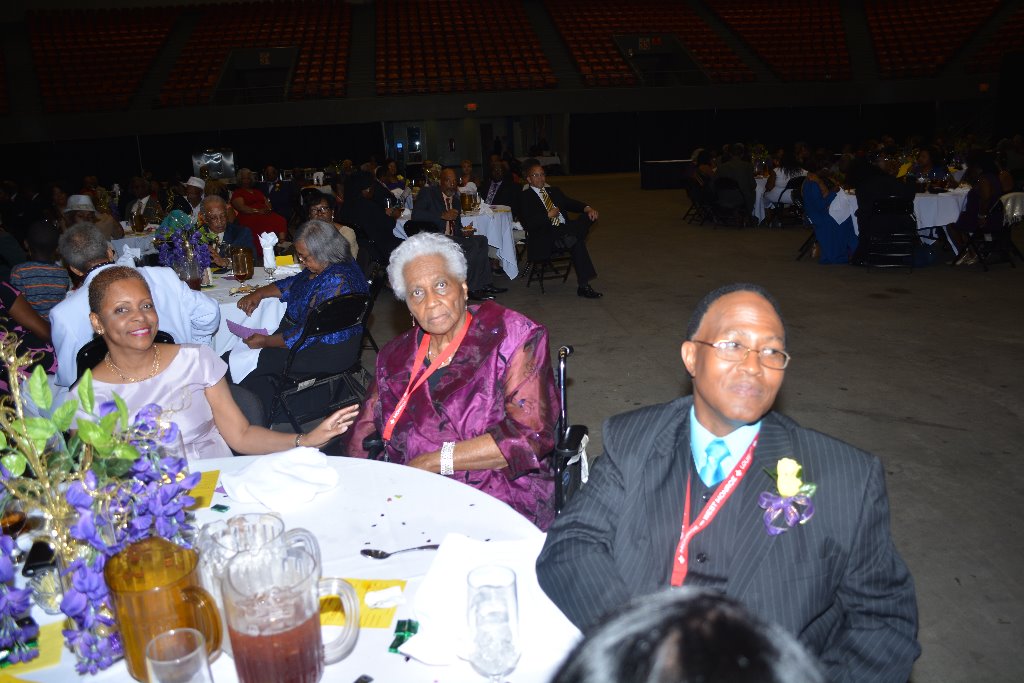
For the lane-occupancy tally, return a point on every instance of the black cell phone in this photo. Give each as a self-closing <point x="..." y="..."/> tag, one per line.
<point x="40" y="556"/>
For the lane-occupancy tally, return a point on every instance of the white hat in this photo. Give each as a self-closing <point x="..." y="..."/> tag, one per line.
<point x="79" y="202"/>
<point x="196" y="182"/>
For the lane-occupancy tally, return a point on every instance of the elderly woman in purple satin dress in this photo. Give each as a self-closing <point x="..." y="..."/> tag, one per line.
<point x="468" y="392"/>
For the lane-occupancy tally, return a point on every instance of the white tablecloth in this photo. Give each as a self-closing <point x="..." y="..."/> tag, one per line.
<point x="267" y="316"/>
<point x="496" y="226"/>
<point x="759" y="203"/>
<point x="932" y="210"/>
<point x="388" y="506"/>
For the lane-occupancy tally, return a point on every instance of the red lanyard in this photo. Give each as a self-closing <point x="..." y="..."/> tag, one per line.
<point x="414" y="382"/>
<point x="722" y="493"/>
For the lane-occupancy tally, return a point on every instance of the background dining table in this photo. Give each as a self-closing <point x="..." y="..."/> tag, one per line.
<point x="933" y="212"/>
<point x="390" y="506"/>
<point x="496" y="224"/>
<point x="267" y="316"/>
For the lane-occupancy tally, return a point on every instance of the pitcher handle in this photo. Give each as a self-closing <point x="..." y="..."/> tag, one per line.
<point x="307" y="541"/>
<point x="207" y="617"/>
<point x="339" y="648"/>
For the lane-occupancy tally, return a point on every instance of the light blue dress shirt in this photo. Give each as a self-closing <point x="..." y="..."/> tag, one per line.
<point x="737" y="441"/>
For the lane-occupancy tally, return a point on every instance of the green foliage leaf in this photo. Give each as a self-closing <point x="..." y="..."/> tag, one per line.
<point x="94" y="435"/>
<point x="15" y="464"/>
<point x="3" y="440"/>
<point x="122" y="410"/>
<point x="64" y="414"/>
<point x="109" y="421"/>
<point x="125" y="451"/>
<point x="85" y="392"/>
<point x="40" y="430"/>
<point x="39" y="389"/>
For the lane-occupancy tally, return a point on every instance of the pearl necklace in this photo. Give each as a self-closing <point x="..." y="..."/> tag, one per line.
<point x="131" y="380"/>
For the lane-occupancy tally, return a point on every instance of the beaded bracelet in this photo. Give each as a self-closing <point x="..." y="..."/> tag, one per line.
<point x="448" y="458"/>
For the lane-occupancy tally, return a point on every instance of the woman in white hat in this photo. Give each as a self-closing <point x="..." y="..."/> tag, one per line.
<point x="80" y="209"/>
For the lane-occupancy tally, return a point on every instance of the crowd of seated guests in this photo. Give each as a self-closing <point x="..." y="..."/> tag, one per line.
<point x="876" y="169"/>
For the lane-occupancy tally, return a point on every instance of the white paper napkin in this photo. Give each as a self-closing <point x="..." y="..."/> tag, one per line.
<point x="440" y="603"/>
<point x="282" y="481"/>
<point x="468" y="188"/>
<point x="267" y="241"/>
<point x="128" y="256"/>
<point x="285" y="271"/>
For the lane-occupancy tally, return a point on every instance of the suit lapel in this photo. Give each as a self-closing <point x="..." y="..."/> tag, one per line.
<point x="773" y="443"/>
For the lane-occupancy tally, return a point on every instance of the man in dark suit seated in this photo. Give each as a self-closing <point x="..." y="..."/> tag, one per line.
<point x="499" y="188"/>
<point x="542" y="212"/>
<point x="376" y="222"/>
<point x="440" y="206"/>
<point x="715" y="490"/>
<point x="189" y="202"/>
<point x="735" y="165"/>
<point x="280" y="192"/>
<point x="214" y="213"/>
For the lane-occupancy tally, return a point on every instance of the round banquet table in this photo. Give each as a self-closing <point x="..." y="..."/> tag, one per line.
<point x="390" y="506"/>
<point x="496" y="226"/>
<point x="932" y="210"/>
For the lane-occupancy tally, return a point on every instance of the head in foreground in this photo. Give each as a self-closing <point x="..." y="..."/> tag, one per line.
<point x="688" y="635"/>
<point x="735" y="353"/>
<point x="318" y="245"/>
<point x="428" y="272"/>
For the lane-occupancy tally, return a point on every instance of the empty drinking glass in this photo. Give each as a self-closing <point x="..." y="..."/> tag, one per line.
<point x="493" y="616"/>
<point x="178" y="656"/>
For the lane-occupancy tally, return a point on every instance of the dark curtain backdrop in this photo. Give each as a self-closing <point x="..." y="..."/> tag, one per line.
<point x="170" y="155"/>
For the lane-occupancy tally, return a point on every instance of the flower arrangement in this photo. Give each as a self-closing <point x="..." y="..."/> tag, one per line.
<point x="112" y="483"/>
<point x="16" y="638"/>
<point x="793" y="504"/>
<point x="179" y="238"/>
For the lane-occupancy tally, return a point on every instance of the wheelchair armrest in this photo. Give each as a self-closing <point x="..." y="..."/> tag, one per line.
<point x="569" y="444"/>
<point x="374" y="446"/>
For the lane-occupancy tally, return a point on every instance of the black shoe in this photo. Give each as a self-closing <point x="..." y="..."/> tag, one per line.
<point x="588" y="292"/>
<point x="491" y="289"/>
<point x="480" y="295"/>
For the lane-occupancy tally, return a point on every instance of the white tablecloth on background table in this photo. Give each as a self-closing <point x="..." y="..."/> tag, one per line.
<point x="759" y="206"/>
<point x="496" y="226"/>
<point x="932" y="210"/>
<point x="389" y="506"/>
<point x="267" y="316"/>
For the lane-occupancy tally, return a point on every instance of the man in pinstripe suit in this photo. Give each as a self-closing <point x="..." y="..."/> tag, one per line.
<point x="836" y="581"/>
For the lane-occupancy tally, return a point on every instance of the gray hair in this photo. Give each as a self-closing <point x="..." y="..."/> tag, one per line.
<point x="425" y="244"/>
<point x="244" y="171"/>
<point x="83" y="245"/>
<point x="212" y="199"/>
<point x="324" y="242"/>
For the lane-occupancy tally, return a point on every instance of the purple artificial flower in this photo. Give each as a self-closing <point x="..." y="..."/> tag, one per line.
<point x="170" y="434"/>
<point x="107" y="407"/>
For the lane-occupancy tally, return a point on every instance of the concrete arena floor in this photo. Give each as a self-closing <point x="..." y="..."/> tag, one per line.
<point x="924" y="369"/>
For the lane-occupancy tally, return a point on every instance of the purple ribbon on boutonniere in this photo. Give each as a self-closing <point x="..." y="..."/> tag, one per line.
<point x="793" y="510"/>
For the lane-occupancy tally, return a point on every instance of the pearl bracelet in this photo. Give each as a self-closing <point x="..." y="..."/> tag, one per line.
<point x="448" y="458"/>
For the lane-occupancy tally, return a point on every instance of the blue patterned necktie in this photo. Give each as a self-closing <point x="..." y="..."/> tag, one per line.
<point x="712" y="472"/>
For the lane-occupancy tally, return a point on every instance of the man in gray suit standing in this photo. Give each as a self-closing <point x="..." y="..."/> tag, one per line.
<point x="717" y="490"/>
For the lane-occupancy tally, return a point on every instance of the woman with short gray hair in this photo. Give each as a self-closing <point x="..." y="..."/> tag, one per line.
<point x="468" y="392"/>
<point x="329" y="271"/>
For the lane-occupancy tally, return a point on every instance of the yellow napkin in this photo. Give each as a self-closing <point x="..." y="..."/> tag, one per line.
<point x="203" y="491"/>
<point x="51" y="646"/>
<point x="330" y="607"/>
<point x="285" y="260"/>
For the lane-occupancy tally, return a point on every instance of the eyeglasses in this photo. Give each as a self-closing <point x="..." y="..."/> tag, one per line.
<point x="320" y="209"/>
<point x="735" y="352"/>
<point x="301" y="258"/>
<point x="539" y="174"/>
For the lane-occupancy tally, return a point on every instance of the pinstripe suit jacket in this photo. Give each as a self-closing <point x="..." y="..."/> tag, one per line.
<point x="837" y="582"/>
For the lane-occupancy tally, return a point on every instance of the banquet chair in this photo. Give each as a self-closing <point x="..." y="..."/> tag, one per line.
<point x="890" y="229"/>
<point x="305" y="397"/>
<point x="1013" y="217"/>
<point x="795" y="208"/>
<point x="90" y="355"/>
<point x="992" y="242"/>
<point x="700" y="210"/>
<point x="569" y="459"/>
<point x="728" y="203"/>
<point x="546" y="264"/>
<point x="377" y="279"/>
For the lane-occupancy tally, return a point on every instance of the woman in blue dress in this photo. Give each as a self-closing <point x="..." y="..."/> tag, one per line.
<point x="836" y="241"/>
<point x="329" y="271"/>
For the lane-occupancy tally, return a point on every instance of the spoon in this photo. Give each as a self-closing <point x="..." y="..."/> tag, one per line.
<point x="383" y="554"/>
